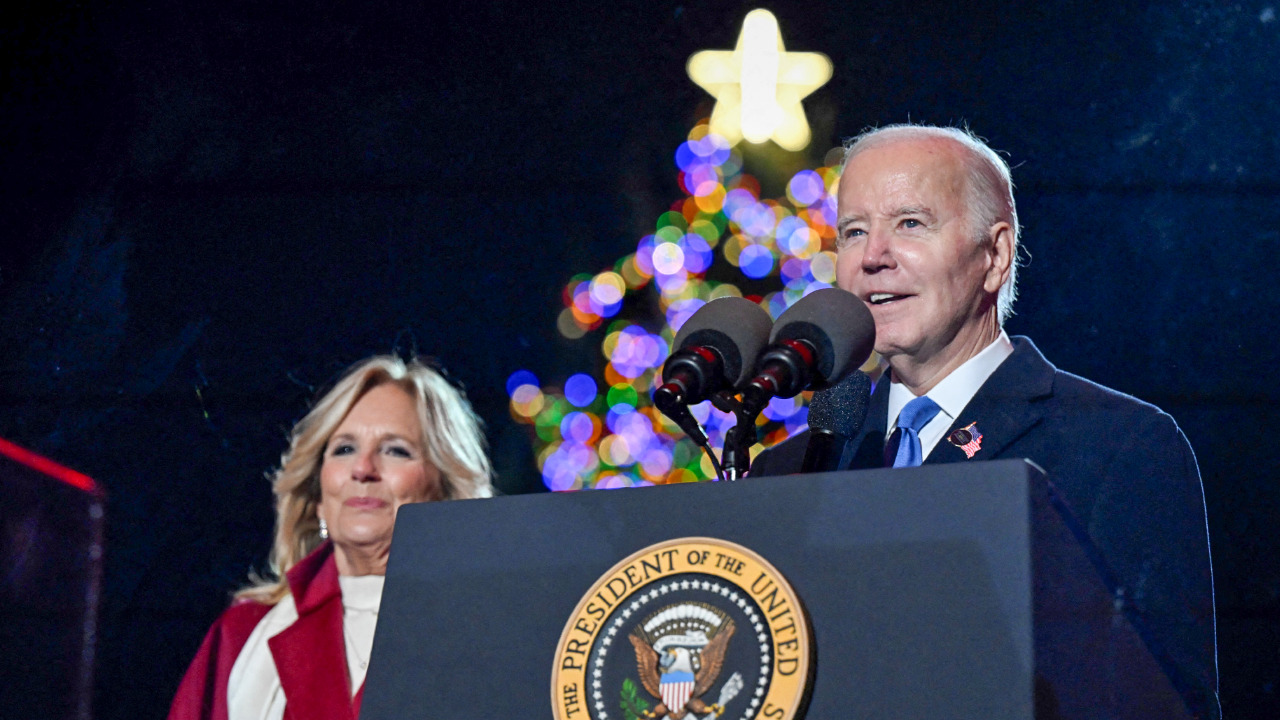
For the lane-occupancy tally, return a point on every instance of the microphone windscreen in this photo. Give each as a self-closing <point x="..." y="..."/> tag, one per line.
<point x="842" y="408"/>
<point x="735" y="327"/>
<point x="835" y="322"/>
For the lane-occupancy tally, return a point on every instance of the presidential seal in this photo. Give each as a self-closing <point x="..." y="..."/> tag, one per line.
<point x="695" y="628"/>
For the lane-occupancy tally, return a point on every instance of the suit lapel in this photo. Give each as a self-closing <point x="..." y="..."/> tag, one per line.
<point x="310" y="654"/>
<point x="1007" y="405"/>
<point x="867" y="449"/>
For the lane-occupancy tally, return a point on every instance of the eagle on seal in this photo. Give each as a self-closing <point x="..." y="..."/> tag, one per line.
<point x="678" y="668"/>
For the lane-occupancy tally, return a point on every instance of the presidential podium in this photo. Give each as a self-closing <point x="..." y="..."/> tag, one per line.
<point x="957" y="591"/>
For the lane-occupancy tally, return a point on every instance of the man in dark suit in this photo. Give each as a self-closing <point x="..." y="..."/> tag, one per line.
<point x="928" y="239"/>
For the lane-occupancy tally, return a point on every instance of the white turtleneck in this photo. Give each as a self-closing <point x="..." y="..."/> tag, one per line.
<point x="361" y="596"/>
<point x="253" y="689"/>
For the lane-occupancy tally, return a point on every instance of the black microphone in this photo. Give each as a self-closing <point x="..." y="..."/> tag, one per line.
<point x="835" y="415"/>
<point x="814" y="344"/>
<point x="712" y="351"/>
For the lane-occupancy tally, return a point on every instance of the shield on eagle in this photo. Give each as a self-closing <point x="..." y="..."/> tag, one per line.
<point x="679" y="652"/>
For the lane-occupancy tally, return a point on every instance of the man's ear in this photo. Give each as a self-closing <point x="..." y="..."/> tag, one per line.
<point x="1001" y="238"/>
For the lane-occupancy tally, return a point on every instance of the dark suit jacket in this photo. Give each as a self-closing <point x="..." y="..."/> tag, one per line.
<point x="1125" y="469"/>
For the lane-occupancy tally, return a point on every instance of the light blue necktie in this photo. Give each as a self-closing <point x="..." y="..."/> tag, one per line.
<point x="914" y="416"/>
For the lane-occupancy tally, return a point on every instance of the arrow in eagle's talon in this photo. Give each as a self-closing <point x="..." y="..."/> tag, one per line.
<point x="730" y="690"/>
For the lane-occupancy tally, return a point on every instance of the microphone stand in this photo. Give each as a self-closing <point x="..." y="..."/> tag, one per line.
<point x="736" y="455"/>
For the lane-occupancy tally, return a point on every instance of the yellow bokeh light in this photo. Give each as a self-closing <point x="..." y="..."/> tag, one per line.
<point x="823" y="267"/>
<point x="780" y="211"/>
<point x="831" y="176"/>
<point x="725" y="290"/>
<point x="610" y="343"/>
<point x="758" y="85"/>
<point x="546" y="452"/>
<point x="568" y="326"/>
<point x="615" y="450"/>
<point x="632" y="273"/>
<point x="804" y="243"/>
<point x="527" y="401"/>
<point x="688" y="292"/>
<point x="733" y="248"/>
<point x="712" y="201"/>
<point x="680" y="475"/>
<point x="708" y="470"/>
<point x="608" y="287"/>
<point x="707" y="229"/>
<point x="660" y="421"/>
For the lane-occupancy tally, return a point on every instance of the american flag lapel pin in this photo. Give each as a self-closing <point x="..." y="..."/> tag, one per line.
<point x="968" y="439"/>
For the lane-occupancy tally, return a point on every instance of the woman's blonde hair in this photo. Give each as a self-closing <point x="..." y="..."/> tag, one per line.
<point x="452" y="436"/>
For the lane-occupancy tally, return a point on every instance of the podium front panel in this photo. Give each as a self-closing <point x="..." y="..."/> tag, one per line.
<point x="917" y="584"/>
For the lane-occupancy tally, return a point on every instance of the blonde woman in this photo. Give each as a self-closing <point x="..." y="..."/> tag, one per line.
<point x="296" y="644"/>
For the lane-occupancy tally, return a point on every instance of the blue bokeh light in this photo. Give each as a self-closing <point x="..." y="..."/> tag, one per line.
<point x="756" y="261"/>
<point x="518" y="378"/>
<point x="580" y="390"/>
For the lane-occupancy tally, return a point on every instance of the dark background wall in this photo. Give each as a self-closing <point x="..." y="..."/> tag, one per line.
<point x="212" y="208"/>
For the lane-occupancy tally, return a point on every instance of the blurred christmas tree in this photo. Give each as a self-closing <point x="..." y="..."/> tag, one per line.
<point x="720" y="239"/>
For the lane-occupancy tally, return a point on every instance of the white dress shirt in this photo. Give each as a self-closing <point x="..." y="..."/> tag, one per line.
<point x="952" y="394"/>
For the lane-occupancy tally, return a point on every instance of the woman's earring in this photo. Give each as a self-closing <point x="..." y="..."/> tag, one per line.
<point x="324" y="530"/>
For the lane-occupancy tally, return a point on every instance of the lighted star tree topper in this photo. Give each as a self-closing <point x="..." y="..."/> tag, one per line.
<point x="720" y="239"/>
<point x="758" y="85"/>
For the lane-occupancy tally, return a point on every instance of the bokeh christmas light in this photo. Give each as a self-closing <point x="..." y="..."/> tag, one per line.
<point x="720" y="239"/>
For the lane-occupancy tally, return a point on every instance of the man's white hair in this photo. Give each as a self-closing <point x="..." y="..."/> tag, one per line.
<point x="988" y="190"/>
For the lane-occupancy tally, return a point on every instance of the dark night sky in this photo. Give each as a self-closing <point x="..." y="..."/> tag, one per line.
<point x="212" y="208"/>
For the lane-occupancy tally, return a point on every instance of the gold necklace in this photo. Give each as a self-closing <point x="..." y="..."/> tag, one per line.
<point x="351" y="643"/>
<point x="351" y="646"/>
